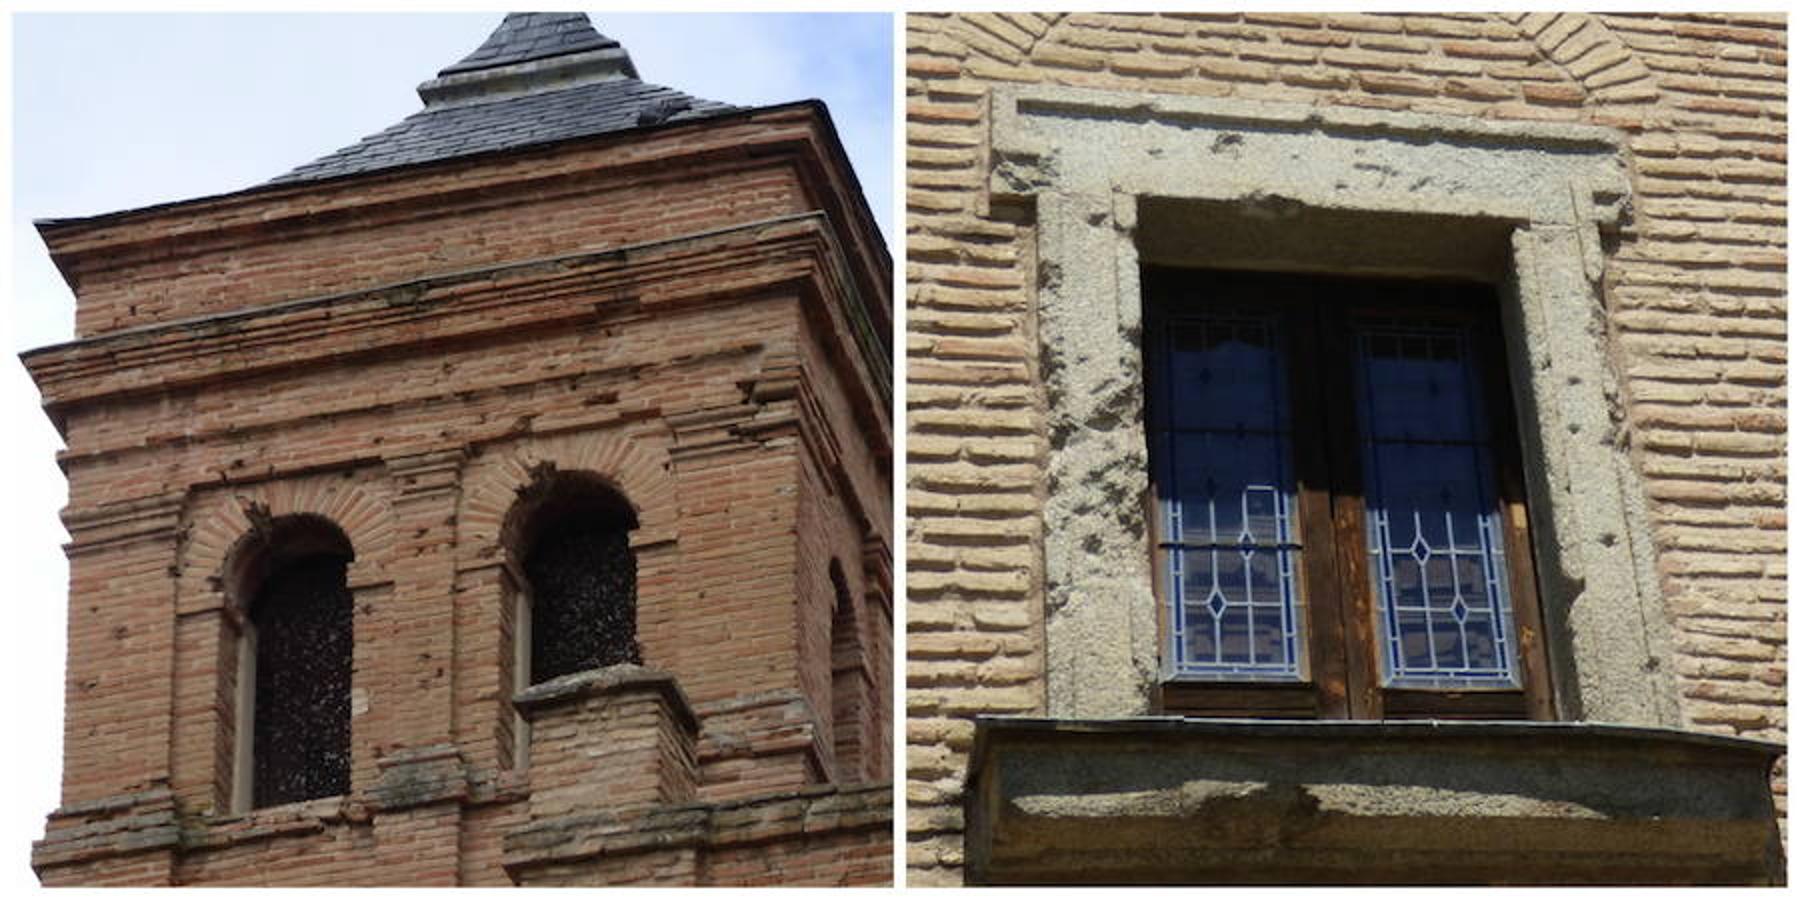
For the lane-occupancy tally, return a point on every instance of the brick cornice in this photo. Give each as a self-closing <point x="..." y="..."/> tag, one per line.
<point x="282" y="212"/>
<point x="155" y="517"/>
<point x="796" y="135"/>
<point x="706" y="267"/>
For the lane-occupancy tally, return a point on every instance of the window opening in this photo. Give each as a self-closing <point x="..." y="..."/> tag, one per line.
<point x="1341" y="527"/>
<point x="1230" y="543"/>
<point x="299" y="650"/>
<point x="1434" y="531"/>
<point x="582" y="579"/>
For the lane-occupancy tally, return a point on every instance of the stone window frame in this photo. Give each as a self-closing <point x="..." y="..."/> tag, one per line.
<point x="1122" y="178"/>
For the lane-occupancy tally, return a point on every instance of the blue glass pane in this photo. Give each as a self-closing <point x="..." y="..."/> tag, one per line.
<point x="1435" y="495"/>
<point x="1437" y="563"/>
<point x="1424" y="388"/>
<point x="1225" y="374"/>
<point x="1229" y="487"/>
<point x="1227" y="496"/>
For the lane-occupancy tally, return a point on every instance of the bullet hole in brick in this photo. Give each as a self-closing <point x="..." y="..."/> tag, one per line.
<point x="584" y="597"/>
<point x="302" y="616"/>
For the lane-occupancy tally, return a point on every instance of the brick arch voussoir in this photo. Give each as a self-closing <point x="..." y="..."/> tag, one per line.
<point x="639" y="474"/>
<point x="964" y="32"/>
<point x="1590" y="54"/>
<point x="221" y="528"/>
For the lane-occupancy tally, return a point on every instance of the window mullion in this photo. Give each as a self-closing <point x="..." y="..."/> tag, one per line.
<point x="1325" y="617"/>
<point x="1349" y="522"/>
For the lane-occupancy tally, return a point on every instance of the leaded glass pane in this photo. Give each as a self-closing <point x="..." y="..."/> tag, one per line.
<point x="1437" y="562"/>
<point x="1228" y="500"/>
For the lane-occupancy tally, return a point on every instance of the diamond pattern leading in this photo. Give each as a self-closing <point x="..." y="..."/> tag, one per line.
<point x="1437" y="561"/>
<point x="1228" y="496"/>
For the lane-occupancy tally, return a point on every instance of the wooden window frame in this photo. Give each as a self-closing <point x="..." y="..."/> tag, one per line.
<point x="1340" y="638"/>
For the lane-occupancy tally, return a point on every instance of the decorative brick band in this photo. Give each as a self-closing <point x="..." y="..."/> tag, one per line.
<point x="606" y="838"/>
<point x="114" y="826"/>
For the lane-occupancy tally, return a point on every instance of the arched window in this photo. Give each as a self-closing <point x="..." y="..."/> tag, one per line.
<point x="295" y="662"/>
<point x="573" y="547"/>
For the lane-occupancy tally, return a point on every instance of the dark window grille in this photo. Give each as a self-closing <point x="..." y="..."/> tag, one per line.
<point x="583" y="596"/>
<point x="570" y="533"/>
<point x="302" y="615"/>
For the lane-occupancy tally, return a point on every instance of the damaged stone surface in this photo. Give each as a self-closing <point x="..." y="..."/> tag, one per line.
<point x="1236" y="801"/>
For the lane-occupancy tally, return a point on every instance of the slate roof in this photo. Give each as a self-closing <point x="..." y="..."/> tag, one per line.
<point x="522" y="37"/>
<point x="532" y="102"/>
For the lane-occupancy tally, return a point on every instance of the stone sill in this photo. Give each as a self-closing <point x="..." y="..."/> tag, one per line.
<point x="621" y="678"/>
<point x="1170" y="800"/>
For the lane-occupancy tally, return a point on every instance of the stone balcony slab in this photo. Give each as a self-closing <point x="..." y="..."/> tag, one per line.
<point x="1172" y="800"/>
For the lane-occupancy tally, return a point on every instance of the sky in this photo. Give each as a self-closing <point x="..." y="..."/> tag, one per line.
<point x="116" y="111"/>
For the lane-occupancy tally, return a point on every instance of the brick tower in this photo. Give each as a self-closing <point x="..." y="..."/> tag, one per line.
<point x="503" y="499"/>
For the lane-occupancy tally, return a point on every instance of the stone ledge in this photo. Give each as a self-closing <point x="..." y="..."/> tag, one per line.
<point x="121" y="824"/>
<point x="1239" y="801"/>
<point x="608" y="680"/>
<point x="418" y="777"/>
<point x="129" y="824"/>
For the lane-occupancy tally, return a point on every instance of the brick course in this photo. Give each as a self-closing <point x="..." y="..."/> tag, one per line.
<point x="1695" y="294"/>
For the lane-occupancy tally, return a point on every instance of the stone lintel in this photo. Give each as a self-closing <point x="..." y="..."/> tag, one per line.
<point x="1278" y="156"/>
<point x="1174" y="800"/>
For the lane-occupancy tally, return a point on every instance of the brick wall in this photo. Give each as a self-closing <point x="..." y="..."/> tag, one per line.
<point x="673" y="312"/>
<point x="1695" y="291"/>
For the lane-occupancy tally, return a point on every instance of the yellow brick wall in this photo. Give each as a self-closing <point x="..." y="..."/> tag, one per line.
<point x="1695" y="291"/>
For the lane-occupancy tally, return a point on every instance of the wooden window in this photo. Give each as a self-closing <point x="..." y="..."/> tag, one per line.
<point x="1340" y="522"/>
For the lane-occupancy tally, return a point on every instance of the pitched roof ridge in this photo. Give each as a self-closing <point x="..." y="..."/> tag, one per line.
<point x="522" y="37"/>
<point x="538" y="77"/>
